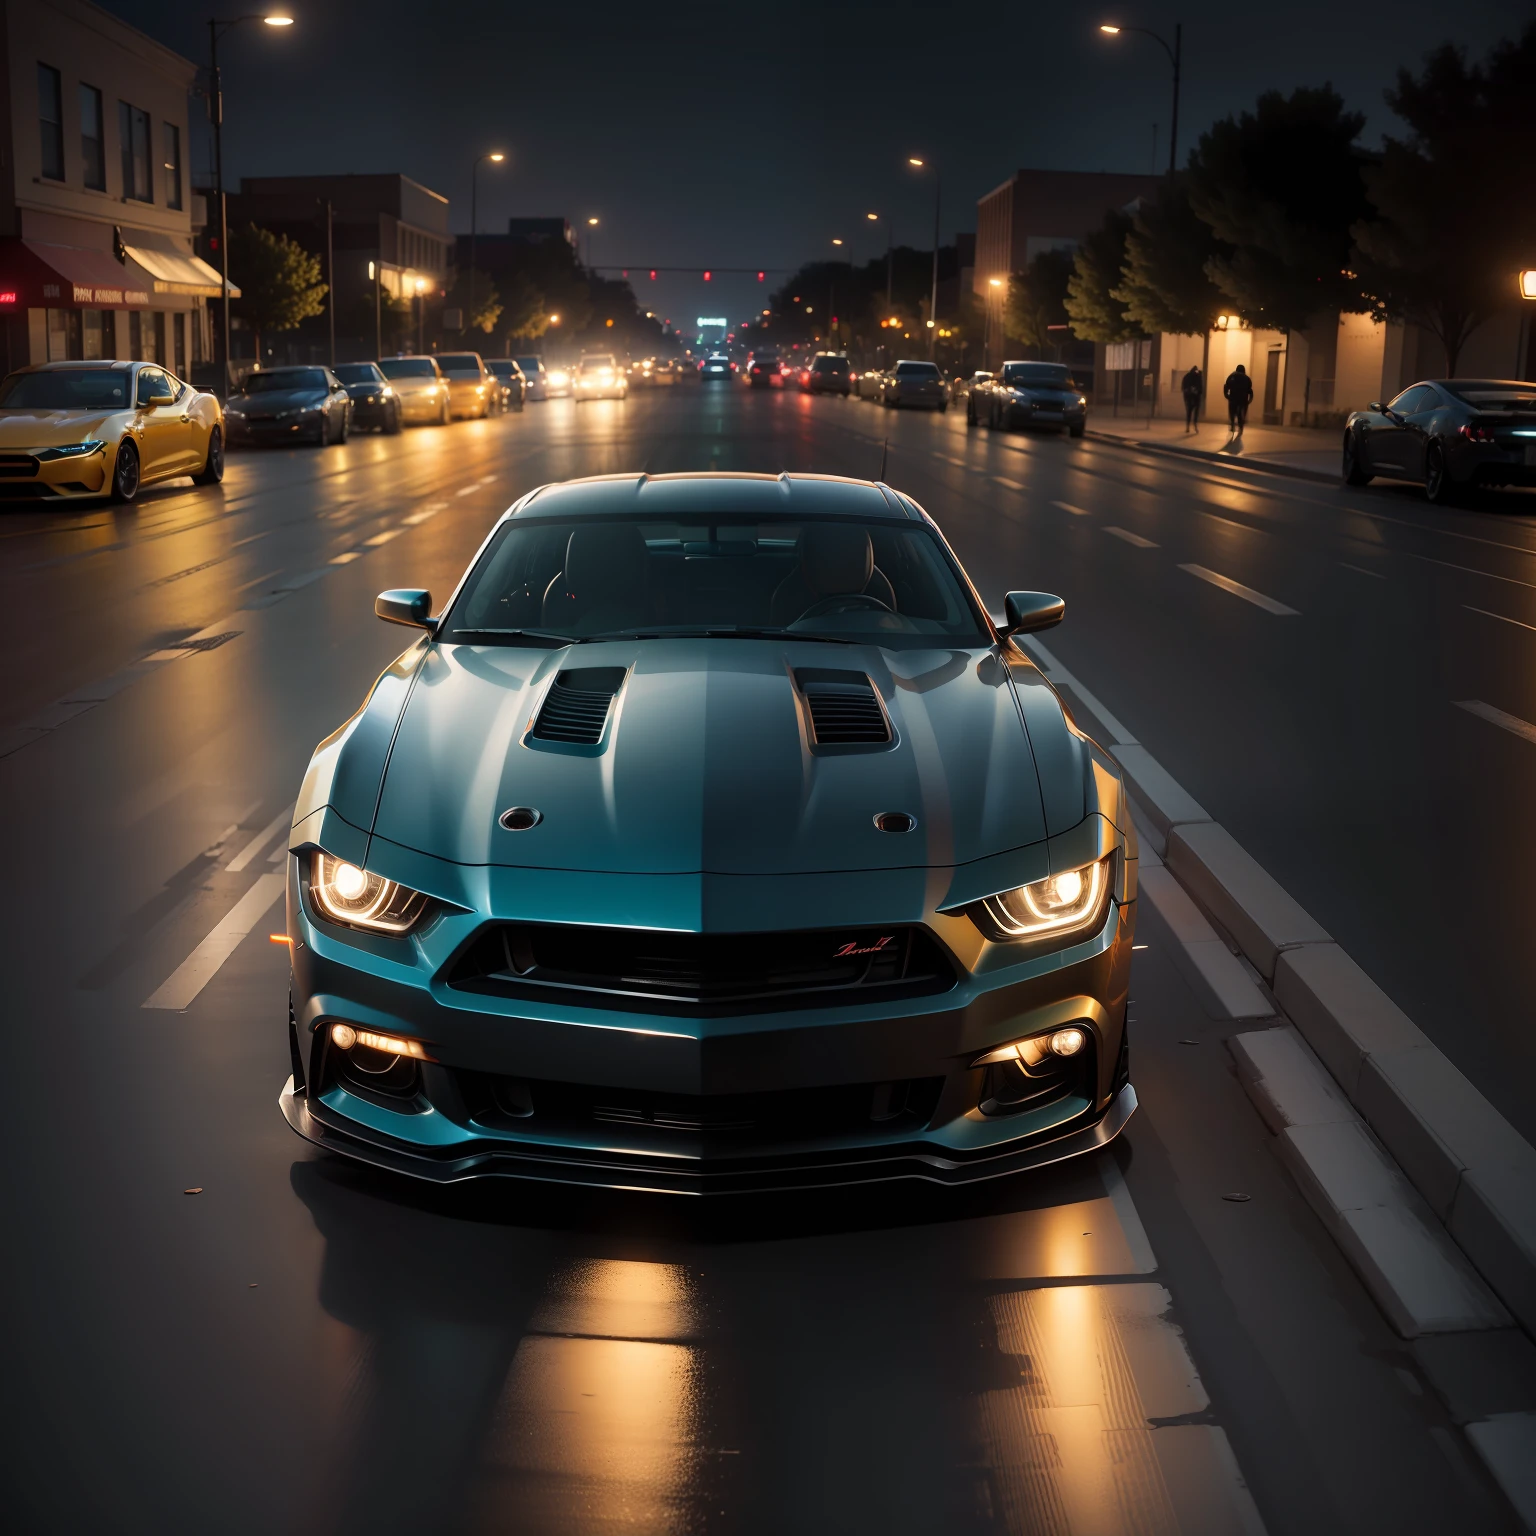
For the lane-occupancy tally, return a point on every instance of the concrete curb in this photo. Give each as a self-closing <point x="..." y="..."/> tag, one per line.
<point x="1418" y="1276"/>
<point x="1226" y="461"/>
<point x="1476" y="1172"/>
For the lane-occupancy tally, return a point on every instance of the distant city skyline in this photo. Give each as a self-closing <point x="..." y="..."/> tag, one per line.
<point x="700" y="136"/>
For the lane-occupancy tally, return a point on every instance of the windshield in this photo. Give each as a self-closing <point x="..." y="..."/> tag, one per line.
<point x="866" y="581"/>
<point x="595" y="362"/>
<point x="67" y="389"/>
<point x="459" y="362"/>
<point x="530" y="364"/>
<point x="408" y="368"/>
<point x="272" y="380"/>
<point x="503" y="369"/>
<point x="356" y="373"/>
<point x="1038" y="376"/>
<point x="917" y="370"/>
<point x="830" y="365"/>
<point x="1493" y="394"/>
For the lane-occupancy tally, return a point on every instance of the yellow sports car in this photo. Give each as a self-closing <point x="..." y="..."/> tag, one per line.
<point x="69" y="430"/>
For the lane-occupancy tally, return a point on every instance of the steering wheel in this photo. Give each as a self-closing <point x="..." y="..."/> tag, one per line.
<point x="843" y="602"/>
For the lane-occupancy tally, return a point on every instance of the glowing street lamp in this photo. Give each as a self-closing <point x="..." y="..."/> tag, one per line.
<point x="216" y="30"/>
<point x="1175" y="54"/>
<point x="495" y="156"/>
<point x="920" y="164"/>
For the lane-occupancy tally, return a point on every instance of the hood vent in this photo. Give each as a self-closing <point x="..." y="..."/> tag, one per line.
<point x="576" y="707"/>
<point x="845" y="710"/>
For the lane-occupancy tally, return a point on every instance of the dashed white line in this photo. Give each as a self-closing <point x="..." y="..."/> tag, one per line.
<point x="346" y="558"/>
<point x="1012" y="485"/>
<point x="1360" y="570"/>
<point x="180" y="989"/>
<point x="1488" y="613"/>
<point x="1128" y="537"/>
<point x="421" y="516"/>
<point x="259" y="842"/>
<point x="1237" y="589"/>
<point x="466" y="490"/>
<point x="383" y="538"/>
<point x="1511" y="723"/>
<point x="1066" y="506"/>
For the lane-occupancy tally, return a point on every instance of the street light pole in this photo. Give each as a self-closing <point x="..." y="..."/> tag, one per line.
<point x="474" y="225"/>
<point x="933" y="302"/>
<point x="216" y="29"/>
<point x="330" y="276"/>
<point x="1175" y="58"/>
<point x="378" y="319"/>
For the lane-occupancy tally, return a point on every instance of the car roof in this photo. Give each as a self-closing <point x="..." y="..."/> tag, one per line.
<point x="95" y="363"/>
<point x="700" y="493"/>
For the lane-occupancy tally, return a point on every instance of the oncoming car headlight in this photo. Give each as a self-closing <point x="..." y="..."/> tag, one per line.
<point x="346" y="893"/>
<point x="1056" y="907"/>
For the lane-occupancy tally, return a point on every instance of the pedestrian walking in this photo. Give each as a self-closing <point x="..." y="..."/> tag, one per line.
<point x="1193" y="385"/>
<point x="1239" y="392"/>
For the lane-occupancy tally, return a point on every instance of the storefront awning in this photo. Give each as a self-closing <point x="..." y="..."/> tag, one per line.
<point x="177" y="272"/>
<point x="36" y="275"/>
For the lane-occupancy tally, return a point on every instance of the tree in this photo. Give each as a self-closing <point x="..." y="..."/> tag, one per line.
<point x="485" y="310"/>
<point x="1037" y="300"/>
<point x="279" y="281"/>
<point x="525" y="310"/>
<point x="1092" y="306"/>
<point x="1281" y="186"/>
<point x="1164" y="285"/>
<point x="1454" y="203"/>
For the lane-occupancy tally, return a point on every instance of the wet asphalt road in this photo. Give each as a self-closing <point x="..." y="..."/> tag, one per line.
<point x="309" y="1347"/>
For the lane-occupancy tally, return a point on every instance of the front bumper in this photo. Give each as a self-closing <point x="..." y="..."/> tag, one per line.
<point x="372" y="413"/>
<point x="24" y="477"/>
<point x="1021" y="413"/>
<point x="811" y="1093"/>
<point x="240" y="430"/>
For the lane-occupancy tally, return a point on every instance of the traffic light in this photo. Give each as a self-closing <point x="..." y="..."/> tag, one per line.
<point x="653" y="274"/>
<point x="759" y="277"/>
<point x="706" y="277"/>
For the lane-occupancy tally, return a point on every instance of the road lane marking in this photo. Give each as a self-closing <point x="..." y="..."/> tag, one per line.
<point x="1237" y="589"/>
<point x="383" y="538"/>
<point x="346" y="558"/>
<point x="466" y="490"/>
<point x="1012" y="485"/>
<point x="1360" y="570"/>
<point x="180" y="989"/>
<point x="1059" y="676"/>
<point x="1066" y="506"/>
<point x="260" y="841"/>
<point x="488" y="480"/>
<point x="421" y="516"/>
<point x="1511" y="723"/>
<point x="1128" y="537"/>
<point x="1488" y="613"/>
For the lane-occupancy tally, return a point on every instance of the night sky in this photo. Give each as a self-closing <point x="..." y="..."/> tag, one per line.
<point x="750" y="135"/>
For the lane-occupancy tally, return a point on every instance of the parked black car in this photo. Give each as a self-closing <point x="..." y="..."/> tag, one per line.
<point x="289" y="404"/>
<point x="827" y="375"/>
<point x="1450" y="435"/>
<point x="1028" y="395"/>
<point x="509" y="379"/>
<point x="374" y="402"/>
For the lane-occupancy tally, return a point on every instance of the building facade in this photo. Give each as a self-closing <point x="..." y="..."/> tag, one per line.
<point x="96" y="204"/>
<point x="387" y="239"/>
<point x="1036" y="211"/>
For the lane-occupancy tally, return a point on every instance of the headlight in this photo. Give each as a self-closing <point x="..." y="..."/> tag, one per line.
<point x="346" y="893"/>
<point x="1055" y="907"/>
<point x="70" y="450"/>
<point x="386" y="393"/>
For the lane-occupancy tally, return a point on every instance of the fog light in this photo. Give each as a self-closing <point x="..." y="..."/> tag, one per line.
<point x="1030" y="1052"/>
<point x="1067" y="1042"/>
<point x="343" y="1036"/>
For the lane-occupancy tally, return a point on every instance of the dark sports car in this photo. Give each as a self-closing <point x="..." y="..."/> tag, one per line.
<point x="711" y="837"/>
<point x="1450" y="435"/>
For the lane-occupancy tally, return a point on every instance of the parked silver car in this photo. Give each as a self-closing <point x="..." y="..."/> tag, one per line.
<point x="916" y="383"/>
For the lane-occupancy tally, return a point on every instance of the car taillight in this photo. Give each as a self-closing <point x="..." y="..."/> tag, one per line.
<point x="1476" y="432"/>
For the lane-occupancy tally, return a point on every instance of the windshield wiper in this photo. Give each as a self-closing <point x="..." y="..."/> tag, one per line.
<point x="707" y="633"/>
<point x="460" y="634"/>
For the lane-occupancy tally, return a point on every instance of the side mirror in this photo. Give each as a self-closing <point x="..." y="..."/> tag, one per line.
<point x="405" y="605"/>
<point x="165" y="397"/>
<point x="1025" y="612"/>
<point x="1375" y="405"/>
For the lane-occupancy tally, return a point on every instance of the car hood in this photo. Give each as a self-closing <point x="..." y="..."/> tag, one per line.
<point x="26" y="428"/>
<point x="705" y="765"/>
<point x="270" y="401"/>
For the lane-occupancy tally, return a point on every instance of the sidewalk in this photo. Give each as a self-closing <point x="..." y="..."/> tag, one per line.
<point x="1311" y="452"/>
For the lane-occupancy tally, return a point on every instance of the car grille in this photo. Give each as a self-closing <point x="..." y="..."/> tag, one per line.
<point x="643" y="970"/>
<point x="721" y="1121"/>
<point x="16" y="465"/>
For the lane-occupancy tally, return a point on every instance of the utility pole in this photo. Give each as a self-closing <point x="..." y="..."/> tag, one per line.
<point x="330" y="276"/>
<point x="378" y="319"/>
<point x="933" y="303"/>
<point x="216" y="108"/>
